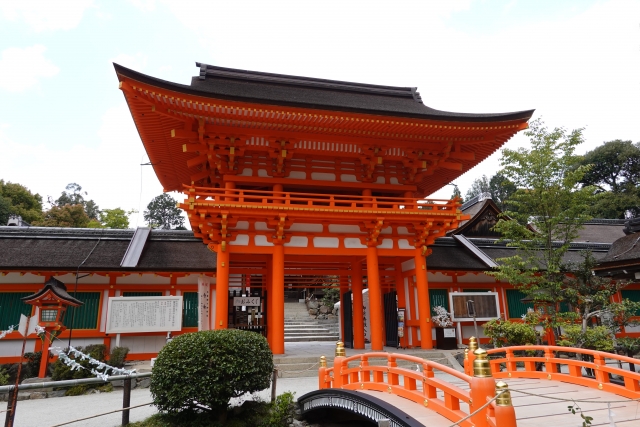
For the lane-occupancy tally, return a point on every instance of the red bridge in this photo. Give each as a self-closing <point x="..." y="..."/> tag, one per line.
<point x="536" y="385"/>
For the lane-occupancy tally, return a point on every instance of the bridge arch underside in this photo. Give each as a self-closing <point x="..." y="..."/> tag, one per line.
<point x="388" y="281"/>
<point x="345" y="405"/>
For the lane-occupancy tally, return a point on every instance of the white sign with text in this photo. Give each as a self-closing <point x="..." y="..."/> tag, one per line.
<point x="144" y="314"/>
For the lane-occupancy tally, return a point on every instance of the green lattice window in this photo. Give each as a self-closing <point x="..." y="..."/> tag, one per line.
<point x="439" y="297"/>
<point x="11" y="307"/>
<point x="142" y="294"/>
<point x="189" y="309"/>
<point x="86" y="316"/>
<point x="515" y="307"/>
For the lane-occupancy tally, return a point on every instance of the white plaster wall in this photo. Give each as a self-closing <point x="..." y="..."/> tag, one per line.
<point x="191" y="279"/>
<point x="13" y="348"/>
<point x="145" y="279"/>
<point x="141" y="344"/>
<point x="409" y="264"/>
<point x="17" y="278"/>
<point x="298" y="242"/>
<point x="344" y="228"/>
<point x="326" y="242"/>
<point x="241" y="240"/>
<point x="439" y="277"/>
<point x="475" y="278"/>
<point x="261" y="240"/>
<point x="78" y="342"/>
<point x="95" y="279"/>
<point x="306" y="228"/>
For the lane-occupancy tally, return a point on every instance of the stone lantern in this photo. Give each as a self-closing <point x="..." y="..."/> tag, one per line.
<point x="52" y="302"/>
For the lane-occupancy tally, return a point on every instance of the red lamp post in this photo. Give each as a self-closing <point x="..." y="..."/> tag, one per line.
<point x="52" y="301"/>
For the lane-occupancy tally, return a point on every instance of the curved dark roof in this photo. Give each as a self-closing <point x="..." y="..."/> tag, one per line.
<point x="305" y="92"/>
<point x="58" y="289"/>
<point x="57" y="249"/>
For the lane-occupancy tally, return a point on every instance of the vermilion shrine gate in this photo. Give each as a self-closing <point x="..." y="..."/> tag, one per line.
<point x="294" y="177"/>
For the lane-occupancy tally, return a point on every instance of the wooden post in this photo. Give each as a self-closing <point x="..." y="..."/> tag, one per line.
<point x="358" y="305"/>
<point x="424" y="306"/>
<point x="375" y="299"/>
<point x="222" y="287"/>
<point x="277" y="299"/>
<point x="44" y="359"/>
<point x="126" y="401"/>
<point x="274" y="381"/>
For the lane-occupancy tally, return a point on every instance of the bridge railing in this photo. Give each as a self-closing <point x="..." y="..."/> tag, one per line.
<point x="477" y="406"/>
<point x="589" y="368"/>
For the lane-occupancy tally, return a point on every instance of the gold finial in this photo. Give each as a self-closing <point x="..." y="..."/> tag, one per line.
<point x="340" y="349"/>
<point x="466" y="354"/>
<point x="323" y="362"/>
<point x="481" y="367"/>
<point x="504" y="399"/>
<point x="473" y="344"/>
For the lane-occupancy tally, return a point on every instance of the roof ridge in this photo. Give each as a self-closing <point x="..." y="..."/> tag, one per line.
<point x="287" y="79"/>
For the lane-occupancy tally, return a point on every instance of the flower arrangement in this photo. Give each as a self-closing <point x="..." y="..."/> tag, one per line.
<point x="442" y="317"/>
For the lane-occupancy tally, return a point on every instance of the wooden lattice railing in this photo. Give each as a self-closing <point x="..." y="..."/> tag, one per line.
<point x="361" y="372"/>
<point x="589" y="368"/>
<point x="255" y="198"/>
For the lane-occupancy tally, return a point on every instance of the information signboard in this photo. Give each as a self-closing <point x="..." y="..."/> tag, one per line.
<point x="465" y="305"/>
<point x="246" y="301"/>
<point x="144" y="314"/>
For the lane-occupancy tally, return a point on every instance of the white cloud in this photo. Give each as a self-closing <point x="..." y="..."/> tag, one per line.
<point x="109" y="169"/>
<point x="136" y="62"/>
<point x="46" y="15"/>
<point x="144" y="5"/>
<point x="21" y="69"/>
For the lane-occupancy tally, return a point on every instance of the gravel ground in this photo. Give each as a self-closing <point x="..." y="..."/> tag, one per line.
<point x="50" y="412"/>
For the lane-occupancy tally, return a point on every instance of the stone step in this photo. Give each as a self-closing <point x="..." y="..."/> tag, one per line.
<point x="331" y="338"/>
<point x="298" y="367"/>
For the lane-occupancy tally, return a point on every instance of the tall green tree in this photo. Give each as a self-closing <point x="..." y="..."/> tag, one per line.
<point x="499" y="187"/>
<point x="615" y="172"/>
<point x="71" y="216"/>
<point x="20" y="201"/>
<point x="73" y="195"/>
<point x="162" y="212"/>
<point x="545" y="213"/>
<point x="115" y="218"/>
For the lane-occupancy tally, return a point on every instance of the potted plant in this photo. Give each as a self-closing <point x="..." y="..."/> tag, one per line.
<point x="445" y="332"/>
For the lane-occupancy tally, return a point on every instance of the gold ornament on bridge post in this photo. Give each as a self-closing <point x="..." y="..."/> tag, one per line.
<point x="340" y="349"/>
<point x="504" y="399"/>
<point x="481" y="367"/>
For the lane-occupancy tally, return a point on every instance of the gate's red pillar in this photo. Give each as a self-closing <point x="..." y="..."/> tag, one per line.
<point x="268" y="278"/>
<point x="358" y="306"/>
<point x="277" y="299"/>
<point x="222" y="288"/>
<point x="424" y="306"/>
<point x="375" y="299"/>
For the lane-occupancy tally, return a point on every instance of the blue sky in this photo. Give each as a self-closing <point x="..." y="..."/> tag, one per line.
<point x="62" y="118"/>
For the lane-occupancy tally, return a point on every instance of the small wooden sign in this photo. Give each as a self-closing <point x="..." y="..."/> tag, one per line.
<point x="246" y="301"/>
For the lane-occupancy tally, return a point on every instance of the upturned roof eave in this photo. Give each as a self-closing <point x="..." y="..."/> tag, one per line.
<point x="442" y="116"/>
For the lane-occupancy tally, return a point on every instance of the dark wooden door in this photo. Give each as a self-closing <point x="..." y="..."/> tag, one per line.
<point x="391" y="319"/>
<point x="347" y="319"/>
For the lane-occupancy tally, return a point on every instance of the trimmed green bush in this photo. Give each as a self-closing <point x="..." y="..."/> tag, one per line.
<point x="210" y="368"/>
<point x="505" y="333"/>
<point x="118" y="356"/>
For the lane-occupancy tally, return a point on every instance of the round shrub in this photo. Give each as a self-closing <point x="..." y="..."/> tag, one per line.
<point x="505" y="333"/>
<point x="209" y="368"/>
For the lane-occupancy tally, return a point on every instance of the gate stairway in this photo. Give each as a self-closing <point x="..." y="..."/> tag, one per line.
<point x="299" y="327"/>
<point x="307" y="366"/>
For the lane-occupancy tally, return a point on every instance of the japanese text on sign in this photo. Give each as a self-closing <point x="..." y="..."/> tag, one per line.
<point x="248" y="301"/>
<point x="144" y="314"/>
